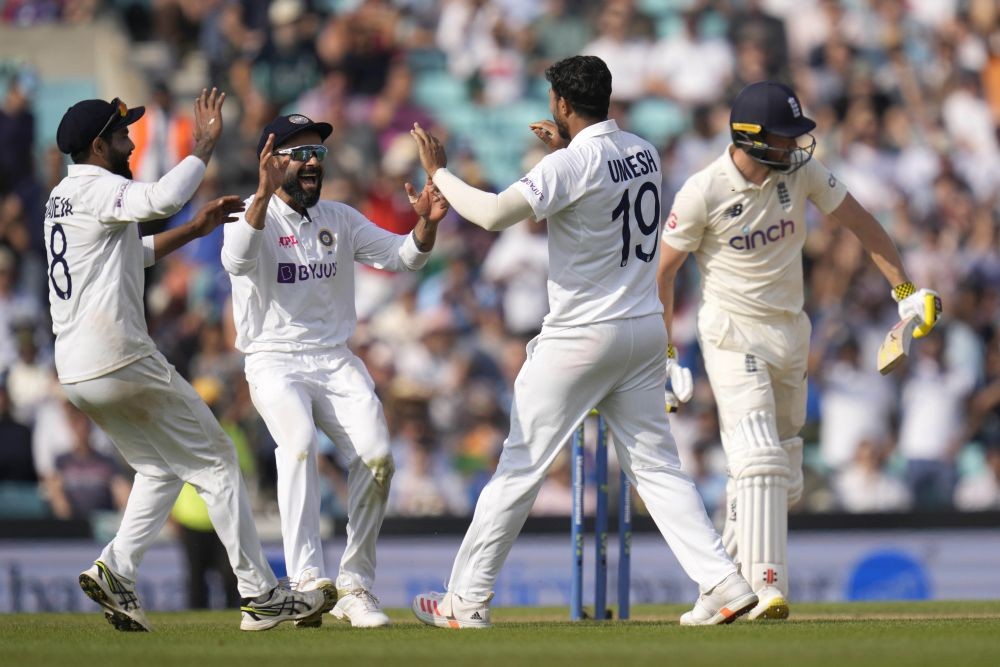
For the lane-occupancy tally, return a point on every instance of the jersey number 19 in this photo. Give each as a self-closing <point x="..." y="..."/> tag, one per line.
<point x="647" y="228"/>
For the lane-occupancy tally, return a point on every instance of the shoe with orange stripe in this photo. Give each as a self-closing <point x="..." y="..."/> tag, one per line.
<point x="729" y="600"/>
<point x="447" y="610"/>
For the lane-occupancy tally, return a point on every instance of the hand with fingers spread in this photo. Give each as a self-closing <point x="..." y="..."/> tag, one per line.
<point x="429" y="203"/>
<point x="548" y="133"/>
<point x="216" y="212"/>
<point x="432" y="155"/>
<point x="207" y="122"/>
<point x="271" y="170"/>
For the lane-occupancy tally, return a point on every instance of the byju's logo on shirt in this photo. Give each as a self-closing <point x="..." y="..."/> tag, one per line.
<point x="290" y="273"/>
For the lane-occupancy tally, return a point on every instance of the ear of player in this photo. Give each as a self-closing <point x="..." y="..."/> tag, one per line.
<point x="919" y="311"/>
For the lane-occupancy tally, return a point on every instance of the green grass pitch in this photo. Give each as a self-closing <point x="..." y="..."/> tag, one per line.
<point x="941" y="634"/>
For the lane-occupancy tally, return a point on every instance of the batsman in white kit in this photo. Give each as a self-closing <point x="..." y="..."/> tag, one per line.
<point x="743" y="217"/>
<point x="291" y="261"/>
<point x="602" y="346"/>
<point x="110" y="368"/>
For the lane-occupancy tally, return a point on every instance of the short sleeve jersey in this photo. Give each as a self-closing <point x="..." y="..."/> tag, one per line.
<point x="601" y="198"/>
<point x="748" y="239"/>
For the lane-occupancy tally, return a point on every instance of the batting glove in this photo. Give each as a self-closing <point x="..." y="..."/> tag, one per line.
<point x="681" y="384"/>
<point x="923" y="303"/>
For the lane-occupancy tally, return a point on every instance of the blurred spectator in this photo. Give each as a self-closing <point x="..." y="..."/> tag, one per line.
<point x="670" y="73"/>
<point x="15" y="444"/>
<point x="865" y="486"/>
<point x="981" y="491"/>
<point x="31" y="380"/>
<point x="162" y="137"/>
<point x="931" y="422"/>
<point x="622" y="43"/>
<point x="518" y="264"/>
<point x="16" y="308"/>
<point x="83" y="480"/>
<point x="287" y="66"/>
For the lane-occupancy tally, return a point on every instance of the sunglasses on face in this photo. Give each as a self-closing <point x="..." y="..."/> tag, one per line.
<point x="304" y="153"/>
<point x="120" y="110"/>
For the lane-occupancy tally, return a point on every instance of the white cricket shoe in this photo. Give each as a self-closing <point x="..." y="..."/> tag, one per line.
<point x="447" y="610"/>
<point x="310" y="582"/>
<point x="729" y="600"/>
<point x="772" y="605"/>
<point x="117" y="595"/>
<point x="281" y="604"/>
<point x="359" y="608"/>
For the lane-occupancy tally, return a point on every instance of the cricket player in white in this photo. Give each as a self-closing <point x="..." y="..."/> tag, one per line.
<point x="743" y="217"/>
<point x="111" y="370"/>
<point x="602" y="346"/>
<point x="291" y="260"/>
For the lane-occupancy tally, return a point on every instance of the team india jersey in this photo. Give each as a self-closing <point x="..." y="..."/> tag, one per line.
<point x="748" y="239"/>
<point x="293" y="281"/>
<point x="95" y="263"/>
<point x="601" y="198"/>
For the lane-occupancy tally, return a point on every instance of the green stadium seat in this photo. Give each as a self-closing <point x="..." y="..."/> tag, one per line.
<point x="52" y="99"/>
<point x="657" y="120"/>
<point x="22" y="500"/>
<point x="438" y="91"/>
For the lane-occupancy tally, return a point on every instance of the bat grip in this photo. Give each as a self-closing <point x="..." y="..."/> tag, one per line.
<point x="930" y="317"/>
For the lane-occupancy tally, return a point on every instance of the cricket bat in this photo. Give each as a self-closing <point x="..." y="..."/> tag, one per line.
<point x="896" y="346"/>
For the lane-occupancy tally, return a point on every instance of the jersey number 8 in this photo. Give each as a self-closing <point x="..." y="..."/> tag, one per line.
<point x="647" y="228"/>
<point x="59" y="259"/>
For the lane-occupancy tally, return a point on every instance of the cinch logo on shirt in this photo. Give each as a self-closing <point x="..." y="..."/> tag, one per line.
<point x="290" y="273"/>
<point x="762" y="237"/>
<point x="287" y="241"/>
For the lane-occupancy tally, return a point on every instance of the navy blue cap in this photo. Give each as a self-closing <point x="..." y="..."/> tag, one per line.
<point x="769" y="106"/>
<point x="285" y="127"/>
<point x="83" y="121"/>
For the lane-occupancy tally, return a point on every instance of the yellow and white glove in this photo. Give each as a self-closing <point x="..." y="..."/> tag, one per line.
<point x="923" y="303"/>
<point x="681" y="383"/>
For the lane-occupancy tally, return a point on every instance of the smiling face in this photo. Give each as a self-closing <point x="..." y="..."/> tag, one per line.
<point x="303" y="180"/>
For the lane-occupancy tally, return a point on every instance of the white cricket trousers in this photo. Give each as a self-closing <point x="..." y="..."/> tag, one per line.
<point x="296" y="392"/>
<point x="169" y="436"/>
<point x="617" y="367"/>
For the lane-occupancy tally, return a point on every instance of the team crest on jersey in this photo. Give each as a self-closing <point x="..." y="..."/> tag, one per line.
<point x="299" y="119"/>
<point x="784" y="198"/>
<point x="328" y="239"/>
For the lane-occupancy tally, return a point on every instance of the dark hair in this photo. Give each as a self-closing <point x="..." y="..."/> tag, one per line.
<point x="584" y="82"/>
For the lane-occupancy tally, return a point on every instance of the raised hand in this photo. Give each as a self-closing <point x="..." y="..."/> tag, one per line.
<point x="216" y="212"/>
<point x="432" y="155"/>
<point x="207" y="122"/>
<point x="429" y="203"/>
<point x="271" y="170"/>
<point x="548" y="133"/>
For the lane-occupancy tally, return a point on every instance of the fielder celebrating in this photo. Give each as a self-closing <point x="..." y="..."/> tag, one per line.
<point x="291" y="261"/>
<point x="743" y="217"/>
<point x="111" y="370"/>
<point x="602" y="345"/>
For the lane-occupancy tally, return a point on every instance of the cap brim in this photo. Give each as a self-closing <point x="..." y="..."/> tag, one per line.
<point x="802" y="126"/>
<point x="131" y="116"/>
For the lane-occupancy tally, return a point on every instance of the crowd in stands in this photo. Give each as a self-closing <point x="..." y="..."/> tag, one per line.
<point x="906" y="95"/>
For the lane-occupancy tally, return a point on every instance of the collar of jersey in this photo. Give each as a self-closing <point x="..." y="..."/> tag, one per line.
<point x="597" y="129"/>
<point x="85" y="169"/>
<point x="289" y="213"/>
<point x="740" y="184"/>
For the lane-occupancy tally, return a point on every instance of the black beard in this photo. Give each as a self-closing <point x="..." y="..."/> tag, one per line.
<point x="297" y="194"/>
<point x="562" y="128"/>
<point x="119" y="165"/>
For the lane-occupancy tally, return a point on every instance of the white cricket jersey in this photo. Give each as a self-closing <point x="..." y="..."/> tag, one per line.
<point x="95" y="263"/>
<point x="601" y="197"/>
<point x="748" y="239"/>
<point x="293" y="281"/>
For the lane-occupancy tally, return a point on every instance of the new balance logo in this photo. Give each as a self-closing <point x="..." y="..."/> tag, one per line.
<point x="750" y="363"/>
<point x="733" y="211"/>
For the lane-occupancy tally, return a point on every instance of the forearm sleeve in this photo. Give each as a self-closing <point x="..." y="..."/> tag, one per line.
<point x="148" y="251"/>
<point x="485" y="209"/>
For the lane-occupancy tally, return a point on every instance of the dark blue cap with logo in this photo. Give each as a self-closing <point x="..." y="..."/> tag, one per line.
<point x="83" y="121"/>
<point x="769" y="106"/>
<point x="285" y="127"/>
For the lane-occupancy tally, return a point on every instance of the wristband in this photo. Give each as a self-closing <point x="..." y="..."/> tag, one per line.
<point x="903" y="290"/>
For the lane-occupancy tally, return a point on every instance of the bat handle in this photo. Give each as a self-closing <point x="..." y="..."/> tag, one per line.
<point x="930" y="316"/>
